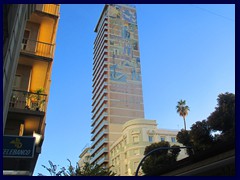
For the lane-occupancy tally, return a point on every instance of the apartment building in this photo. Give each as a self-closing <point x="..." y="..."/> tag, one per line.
<point x="29" y="45"/>
<point x="85" y="157"/>
<point x="117" y="83"/>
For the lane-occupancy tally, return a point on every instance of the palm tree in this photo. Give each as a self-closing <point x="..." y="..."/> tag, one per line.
<point x="182" y="109"/>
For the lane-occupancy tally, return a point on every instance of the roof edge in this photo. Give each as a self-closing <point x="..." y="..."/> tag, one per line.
<point x="105" y="7"/>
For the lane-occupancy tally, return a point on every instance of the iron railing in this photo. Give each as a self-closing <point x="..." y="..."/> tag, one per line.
<point x="37" y="48"/>
<point x="28" y="100"/>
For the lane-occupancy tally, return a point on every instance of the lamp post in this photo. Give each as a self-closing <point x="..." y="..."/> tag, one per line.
<point x="157" y="149"/>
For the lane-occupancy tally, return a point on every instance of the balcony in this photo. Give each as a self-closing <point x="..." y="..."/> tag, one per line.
<point x="37" y="48"/>
<point x="102" y="160"/>
<point x="103" y="132"/>
<point x="99" y="104"/>
<point x="52" y="9"/>
<point x="98" y="154"/>
<point x="102" y="124"/>
<point x="96" y="115"/>
<point x="28" y="101"/>
<point x="99" y="144"/>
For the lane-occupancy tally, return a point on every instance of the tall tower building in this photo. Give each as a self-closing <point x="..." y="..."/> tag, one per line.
<point x="117" y="82"/>
<point x="29" y="45"/>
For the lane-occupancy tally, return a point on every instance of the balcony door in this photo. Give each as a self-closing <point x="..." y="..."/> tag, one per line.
<point x="21" y="86"/>
<point x="25" y="40"/>
<point x="22" y="77"/>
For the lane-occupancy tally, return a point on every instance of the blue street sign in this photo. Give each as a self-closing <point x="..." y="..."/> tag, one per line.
<point x="18" y="146"/>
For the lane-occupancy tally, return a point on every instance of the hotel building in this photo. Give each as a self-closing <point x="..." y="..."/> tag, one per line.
<point x="128" y="150"/>
<point x="117" y="83"/>
<point x="29" y="45"/>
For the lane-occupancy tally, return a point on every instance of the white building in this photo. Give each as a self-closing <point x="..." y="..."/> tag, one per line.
<point x="84" y="157"/>
<point x="127" y="152"/>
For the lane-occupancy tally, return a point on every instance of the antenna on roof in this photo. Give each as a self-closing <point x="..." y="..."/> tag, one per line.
<point x="85" y="146"/>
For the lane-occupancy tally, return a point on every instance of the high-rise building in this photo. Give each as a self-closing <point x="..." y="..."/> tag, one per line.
<point x="117" y="82"/>
<point x="29" y="45"/>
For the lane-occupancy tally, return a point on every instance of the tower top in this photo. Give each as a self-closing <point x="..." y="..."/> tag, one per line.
<point x="106" y="6"/>
<point x="126" y="5"/>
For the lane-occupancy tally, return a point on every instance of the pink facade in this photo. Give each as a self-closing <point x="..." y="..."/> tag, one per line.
<point x="117" y="81"/>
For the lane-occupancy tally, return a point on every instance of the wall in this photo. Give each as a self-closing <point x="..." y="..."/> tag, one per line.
<point x="15" y="20"/>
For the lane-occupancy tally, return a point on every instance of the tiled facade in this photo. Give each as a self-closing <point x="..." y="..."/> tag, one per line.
<point x="117" y="82"/>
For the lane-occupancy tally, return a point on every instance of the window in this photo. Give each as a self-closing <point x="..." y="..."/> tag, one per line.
<point x="135" y="139"/>
<point x="162" y="138"/>
<point x="25" y="39"/>
<point x="17" y="81"/>
<point x="125" y="155"/>
<point x="135" y="165"/>
<point x="126" y="169"/>
<point x="117" y="160"/>
<point x="173" y="139"/>
<point x="150" y="138"/>
<point x="136" y="152"/>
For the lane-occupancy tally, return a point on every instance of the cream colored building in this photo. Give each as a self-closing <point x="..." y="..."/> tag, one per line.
<point x="127" y="152"/>
<point x="84" y="157"/>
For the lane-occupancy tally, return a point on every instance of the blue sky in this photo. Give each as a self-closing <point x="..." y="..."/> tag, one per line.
<point x="187" y="52"/>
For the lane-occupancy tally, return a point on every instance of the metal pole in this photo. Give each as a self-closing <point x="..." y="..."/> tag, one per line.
<point x="157" y="149"/>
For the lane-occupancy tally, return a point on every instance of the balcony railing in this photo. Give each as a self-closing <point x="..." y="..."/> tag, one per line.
<point x="37" y="48"/>
<point x="105" y="131"/>
<point x="49" y="8"/>
<point x="103" y="123"/>
<point x="28" y="100"/>
<point x="102" y="160"/>
<point x="97" y="155"/>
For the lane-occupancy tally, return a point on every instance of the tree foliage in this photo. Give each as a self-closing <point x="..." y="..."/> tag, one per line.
<point x="87" y="170"/>
<point x="200" y="135"/>
<point x="223" y="118"/>
<point x="183" y="137"/>
<point x="160" y="159"/>
<point x="175" y="151"/>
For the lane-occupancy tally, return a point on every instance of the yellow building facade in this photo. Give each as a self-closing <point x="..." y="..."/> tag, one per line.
<point x="127" y="152"/>
<point x="27" y="94"/>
